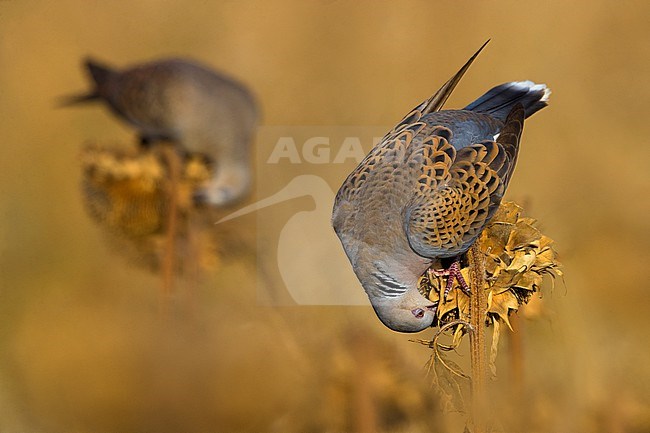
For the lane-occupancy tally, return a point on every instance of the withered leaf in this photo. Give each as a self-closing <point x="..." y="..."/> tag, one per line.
<point x="545" y="242"/>
<point x="449" y="385"/>
<point x="450" y="305"/>
<point x="501" y="305"/>
<point x="522" y="260"/>
<point x="523" y="236"/>
<point x="508" y="212"/>
<point x="529" y="281"/>
<point x="505" y="280"/>
<point x="494" y="348"/>
<point x="495" y="237"/>
<point x="492" y="264"/>
<point x="517" y="258"/>
<point x="545" y="258"/>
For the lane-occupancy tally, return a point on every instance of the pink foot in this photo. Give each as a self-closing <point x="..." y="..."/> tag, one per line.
<point x="453" y="272"/>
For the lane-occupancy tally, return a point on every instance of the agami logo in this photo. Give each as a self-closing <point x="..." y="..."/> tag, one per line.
<point x="315" y="160"/>
<point x="317" y="150"/>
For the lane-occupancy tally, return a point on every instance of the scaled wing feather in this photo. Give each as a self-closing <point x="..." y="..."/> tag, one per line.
<point x="457" y="192"/>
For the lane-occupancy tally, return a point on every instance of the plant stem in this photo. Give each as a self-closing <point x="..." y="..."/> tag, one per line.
<point x="478" y="357"/>
<point x="169" y="259"/>
<point x="517" y="369"/>
<point x="365" y="410"/>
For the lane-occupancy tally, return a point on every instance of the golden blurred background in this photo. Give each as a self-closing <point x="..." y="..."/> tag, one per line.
<point x="82" y="346"/>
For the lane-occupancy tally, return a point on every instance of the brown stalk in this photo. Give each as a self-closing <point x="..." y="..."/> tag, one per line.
<point x="365" y="410"/>
<point x="517" y="366"/>
<point x="478" y="357"/>
<point x="172" y="161"/>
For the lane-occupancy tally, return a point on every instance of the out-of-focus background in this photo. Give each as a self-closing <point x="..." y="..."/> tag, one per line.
<point x="82" y="345"/>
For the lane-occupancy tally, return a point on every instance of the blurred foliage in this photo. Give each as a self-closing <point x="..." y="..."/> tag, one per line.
<point x="125" y="189"/>
<point x="128" y="192"/>
<point x="82" y="346"/>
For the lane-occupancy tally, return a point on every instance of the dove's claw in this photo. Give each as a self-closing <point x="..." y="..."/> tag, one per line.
<point x="452" y="273"/>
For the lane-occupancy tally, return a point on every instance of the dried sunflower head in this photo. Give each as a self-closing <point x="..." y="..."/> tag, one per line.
<point x="517" y="255"/>
<point x="129" y="191"/>
<point x="126" y="190"/>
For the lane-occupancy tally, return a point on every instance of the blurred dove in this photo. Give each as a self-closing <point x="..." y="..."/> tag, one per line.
<point x="423" y="195"/>
<point x="182" y="101"/>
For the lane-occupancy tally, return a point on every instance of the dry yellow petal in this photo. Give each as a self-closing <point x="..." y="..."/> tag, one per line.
<point x="529" y="281"/>
<point x="545" y="242"/>
<point x="545" y="258"/>
<point x="523" y="236"/>
<point x="509" y="212"/>
<point x="522" y="261"/>
<point x="495" y="237"/>
<point x="502" y="304"/>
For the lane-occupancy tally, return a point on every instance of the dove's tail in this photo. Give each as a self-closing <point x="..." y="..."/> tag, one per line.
<point x="499" y="101"/>
<point x="99" y="72"/>
<point x="66" y="101"/>
<point x="102" y="77"/>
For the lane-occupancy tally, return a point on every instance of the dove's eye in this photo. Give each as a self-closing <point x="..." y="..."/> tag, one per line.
<point x="418" y="313"/>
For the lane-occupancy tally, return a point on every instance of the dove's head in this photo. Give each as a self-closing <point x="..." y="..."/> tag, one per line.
<point x="409" y="312"/>
<point x="230" y="184"/>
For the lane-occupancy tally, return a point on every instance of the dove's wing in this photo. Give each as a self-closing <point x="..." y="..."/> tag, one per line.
<point x="457" y="192"/>
<point x="400" y="136"/>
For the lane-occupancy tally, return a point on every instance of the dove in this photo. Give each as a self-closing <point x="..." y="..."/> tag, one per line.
<point x="424" y="193"/>
<point x="181" y="101"/>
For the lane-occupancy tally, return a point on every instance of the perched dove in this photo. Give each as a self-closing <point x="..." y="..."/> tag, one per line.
<point x="421" y="197"/>
<point x="189" y="104"/>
